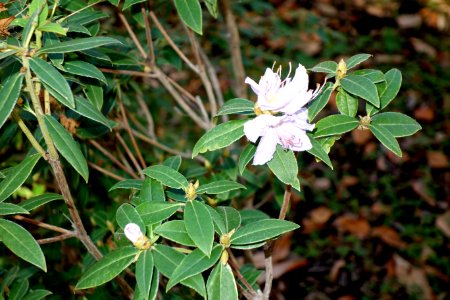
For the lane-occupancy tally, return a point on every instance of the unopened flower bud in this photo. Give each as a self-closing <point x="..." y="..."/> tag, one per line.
<point x="364" y="122"/>
<point x="224" y="257"/>
<point x="342" y="69"/>
<point x="133" y="232"/>
<point x="191" y="190"/>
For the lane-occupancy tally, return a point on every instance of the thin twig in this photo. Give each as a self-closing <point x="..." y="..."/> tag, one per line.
<point x="57" y="238"/>
<point x="129" y="153"/>
<point x="212" y="76"/>
<point x="28" y="133"/>
<point x="128" y="72"/>
<point x="235" y="48"/>
<point x="148" y="116"/>
<point x="42" y="224"/>
<point x="127" y="127"/>
<point x="113" y="159"/>
<point x="106" y="172"/>
<point x="132" y="35"/>
<point x="248" y="291"/>
<point x="148" y="35"/>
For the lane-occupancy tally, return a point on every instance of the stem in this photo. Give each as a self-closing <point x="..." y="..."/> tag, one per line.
<point x="248" y="291"/>
<point x="106" y="172"/>
<point x="57" y="238"/>
<point x="28" y="133"/>
<point x="133" y="36"/>
<point x="43" y="225"/>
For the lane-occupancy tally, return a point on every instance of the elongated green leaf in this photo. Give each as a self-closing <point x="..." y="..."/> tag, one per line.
<point x="375" y="76"/>
<point x="174" y="162"/>
<point x="220" y="136"/>
<point x="154" y="212"/>
<point x="94" y="93"/>
<point x="167" y="259"/>
<point x="199" y="225"/>
<point x="9" y="94"/>
<point x="236" y="106"/>
<point x="55" y="83"/>
<point x="88" y="110"/>
<point x="126" y="213"/>
<point x="221" y="284"/>
<point x="261" y="231"/>
<point x="393" y="83"/>
<point x="154" y="285"/>
<point x="249" y="216"/>
<point x="211" y="5"/>
<point x="318" y="151"/>
<point x="386" y="138"/>
<point x="6" y="54"/>
<point x="192" y="264"/>
<point x="53" y="27"/>
<point x="219" y="222"/>
<point x="40" y="200"/>
<point x="22" y="243"/>
<point x="128" y="3"/>
<point x="167" y="176"/>
<point x="107" y="268"/>
<point x="144" y="272"/>
<point x="38" y="294"/>
<point x="356" y="60"/>
<point x="77" y="45"/>
<point x="11" y="209"/>
<point x="320" y="101"/>
<point x="325" y="67"/>
<point x="84" y="69"/>
<point x="397" y="124"/>
<point x="152" y="190"/>
<point x="335" y="124"/>
<point x="190" y="13"/>
<point x="127" y="184"/>
<point x="175" y="231"/>
<point x="230" y="216"/>
<point x="284" y="167"/>
<point x="246" y="156"/>
<point x="220" y="186"/>
<point x="67" y="146"/>
<point x="248" y="246"/>
<point x="17" y="175"/>
<point x="346" y="103"/>
<point x="19" y="289"/>
<point x="361" y="87"/>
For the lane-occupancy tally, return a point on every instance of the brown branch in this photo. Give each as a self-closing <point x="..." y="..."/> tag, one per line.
<point x="132" y="35"/>
<point x="43" y="225"/>
<point x="128" y="72"/>
<point x="106" y="172"/>
<point x="129" y="153"/>
<point x="248" y="291"/>
<point x="57" y="238"/>
<point x="148" y="35"/>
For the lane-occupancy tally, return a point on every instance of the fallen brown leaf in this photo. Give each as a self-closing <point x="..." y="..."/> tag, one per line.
<point x="419" y="187"/>
<point x="320" y="215"/>
<point x="389" y="236"/>
<point x="413" y="279"/>
<point x="334" y="272"/>
<point x="443" y="223"/>
<point x="437" y="159"/>
<point x="424" y="113"/>
<point x="355" y="225"/>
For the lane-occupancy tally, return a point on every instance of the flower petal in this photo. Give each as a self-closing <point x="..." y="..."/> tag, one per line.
<point x="266" y="148"/>
<point x="255" y="87"/>
<point x="258" y="126"/>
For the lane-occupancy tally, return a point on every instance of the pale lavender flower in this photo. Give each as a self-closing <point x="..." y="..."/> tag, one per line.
<point x="133" y="232"/>
<point x="285" y="96"/>
<point x="289" y="131"/>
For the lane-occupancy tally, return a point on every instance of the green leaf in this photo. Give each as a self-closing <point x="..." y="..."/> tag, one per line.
<point x="174" y="162"/>
<point x="284" y="167"/>
<point x="356" y="60"/>
<point x="126" y="214"/>
<point x="318" y="151"/>
<point x="175" y="231"/>
<point x="11" y="209"/>
<point x="53" y="27"/>
<point x="88" y="110"/>
<point x="77" y="45"/>
<point x="320" y="101"/>
<point x="335" y="124"/>
<point x="246" y="156"/>
<point x="40" y="200"/>
<point x="22" y="243"/>
<point x="248" y="246"/>
<point x="219" y="137"/>
<point x="104" y="270"/>
<point x="361" y="87"/>
<point x="219" y="222"/>
<point x="398" y="124"/>
<point x="386" y="138"/>
<point x="8" y="53"/>
<point x="393" y="83"/>
<point x="261" y="231"/>
<point x="154" y="285"/>
<point x="128" y="3"/>
<point x="167" y="259"/>
<point x="325" y="67"/>
<point x="38" y="294"/>
<point x="236" y="106"/>
<point x="220" y="186"/>
<point x="85" y="69"/>
<point x="9" y="94"/>
<point x="41" y="7"/>
<point x="19" y="289"/>
<point x="167" y="176"/>
<point x="152" y="190"/>
<point x="144" y="272"/>
<point x="155" y="212"/>
<point x="375" y="76"/>
<point x="190" y="13"/>
<point x="67" y="146"/>
<point x="230" y="216"/>
<point x="211" y="5"/>
<point x="17" y="175"/>
<point x="94" y="93"/>
<point x="55" y="83"/>
<point x="199" y="225"/>
<point x="192" y="264"/>
<point x="249" y="216"/>
<point x="221" y="284"/>
<point x="127" y="184"/>
<point x="346" y="103"/>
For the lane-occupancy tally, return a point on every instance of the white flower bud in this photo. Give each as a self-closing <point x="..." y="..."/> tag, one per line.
<point x="133" y="232"/>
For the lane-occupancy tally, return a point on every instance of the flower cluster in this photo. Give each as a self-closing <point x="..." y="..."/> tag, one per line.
<point x="281" y="116"/>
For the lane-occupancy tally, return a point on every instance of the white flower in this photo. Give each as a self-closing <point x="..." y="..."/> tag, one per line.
<point x="288" y="130"/>
<point x="133" y="232"/>
<point x="286" y="96"/>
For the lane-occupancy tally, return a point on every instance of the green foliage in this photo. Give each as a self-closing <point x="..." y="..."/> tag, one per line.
<point x="9" y="93"/>
<point x="190" y="13"/>
<point x="221" y="284"/>
<point x="236" y="106"/>
<point x="284" y="166"/>
<point x="199" y="226"/>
